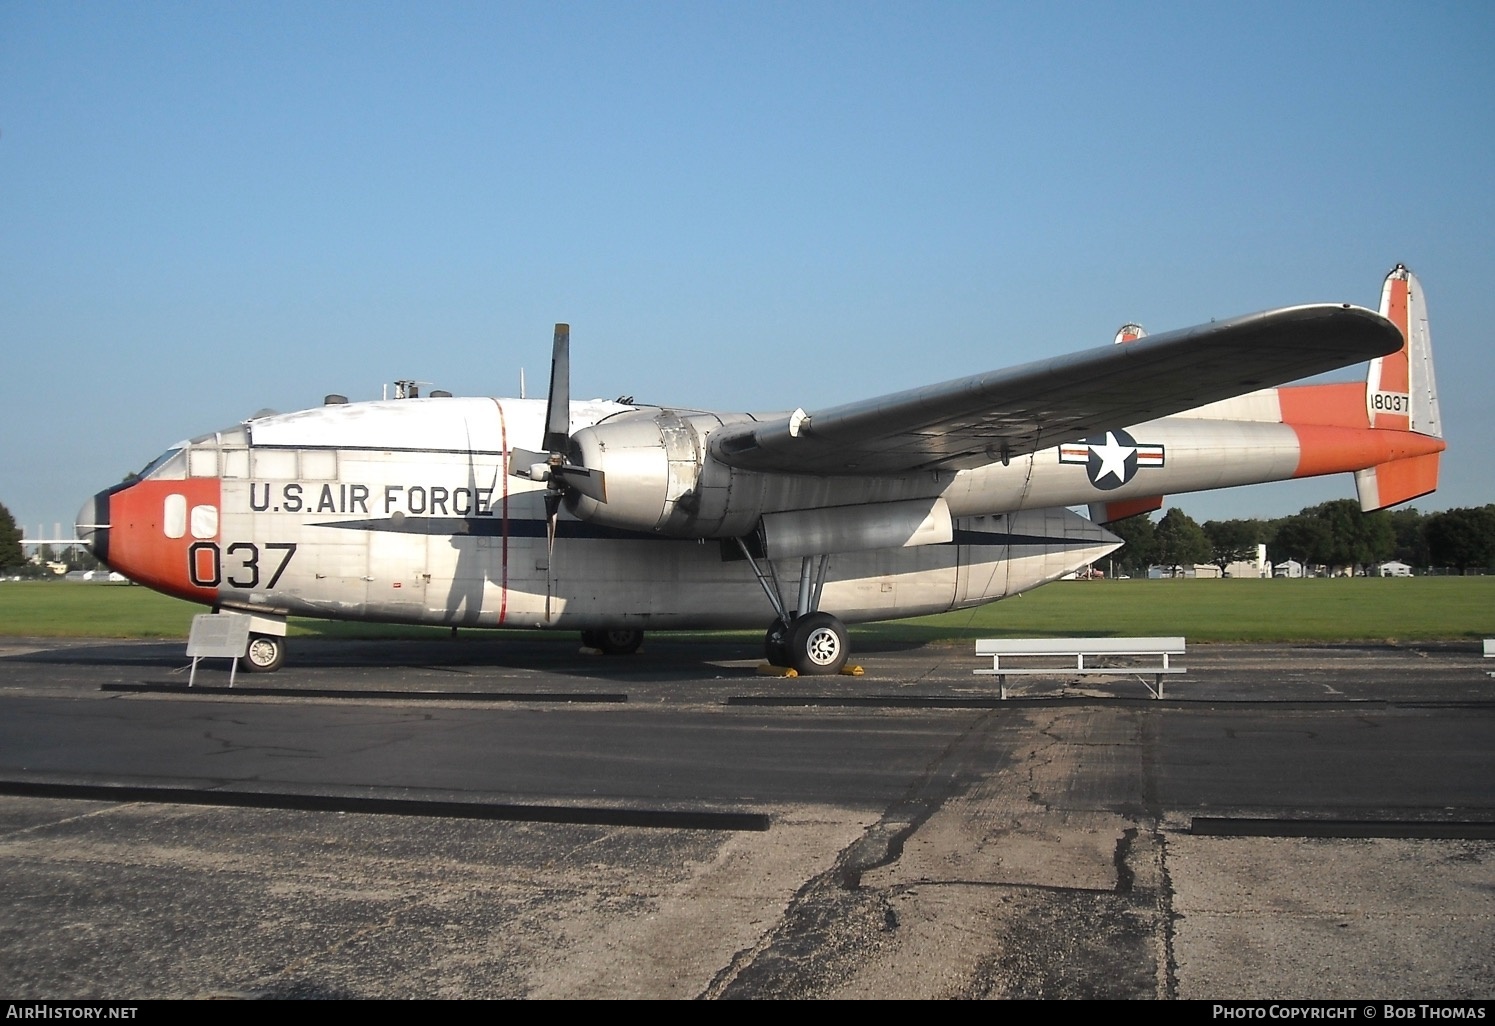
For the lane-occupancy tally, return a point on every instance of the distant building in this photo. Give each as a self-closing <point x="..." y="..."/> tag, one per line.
<point x="1288" y="568"/>
<point x="1258" y="567"/>
<point x="1394" y="568"/>
<point x="1199" y="570"/>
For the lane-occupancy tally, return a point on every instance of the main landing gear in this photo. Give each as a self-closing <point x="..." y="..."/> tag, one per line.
<point x="613" y="642"/>
<point x="809" y="643"/>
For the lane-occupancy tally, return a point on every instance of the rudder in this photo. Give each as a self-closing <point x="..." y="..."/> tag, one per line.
<point x="1401" y="394"/>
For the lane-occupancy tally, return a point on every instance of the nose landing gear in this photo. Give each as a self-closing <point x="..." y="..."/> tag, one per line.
<point x="266" y="654"/>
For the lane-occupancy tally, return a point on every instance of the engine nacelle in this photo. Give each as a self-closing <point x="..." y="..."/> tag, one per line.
<point x="658" y="478"/>
<point x="661" y="478"/>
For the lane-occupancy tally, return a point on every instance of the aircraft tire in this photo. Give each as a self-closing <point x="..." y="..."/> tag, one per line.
<point x="624" y="642"/>
<point x="776" y="644"/>
<point x="818" y="645"/>
<point x="266" y="654"/>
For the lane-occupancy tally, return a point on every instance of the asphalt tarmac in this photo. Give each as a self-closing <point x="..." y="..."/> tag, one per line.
<point x="495" y="818"/>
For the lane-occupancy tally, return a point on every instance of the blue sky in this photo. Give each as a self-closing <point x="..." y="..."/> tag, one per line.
<point x="207" y="209"/>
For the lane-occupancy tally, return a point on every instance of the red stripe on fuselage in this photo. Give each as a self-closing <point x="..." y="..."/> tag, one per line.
<point x="503" y="472"/>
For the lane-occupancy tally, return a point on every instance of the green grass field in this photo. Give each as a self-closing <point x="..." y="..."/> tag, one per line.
<point x="1397" y="609"/>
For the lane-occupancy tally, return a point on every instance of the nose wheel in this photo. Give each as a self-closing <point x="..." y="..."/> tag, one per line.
<point x="266" y="654"/>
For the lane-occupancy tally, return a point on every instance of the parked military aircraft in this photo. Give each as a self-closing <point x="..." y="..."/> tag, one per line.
<point x="615" y="517"/>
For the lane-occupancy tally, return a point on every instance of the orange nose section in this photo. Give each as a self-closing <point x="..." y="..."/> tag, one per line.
<point x="164" y="534"/>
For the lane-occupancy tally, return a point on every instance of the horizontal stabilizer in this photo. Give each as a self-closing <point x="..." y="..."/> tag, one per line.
<point x="1387" y="484"/>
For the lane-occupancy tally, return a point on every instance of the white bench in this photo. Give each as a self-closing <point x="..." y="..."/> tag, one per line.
<point x="1077" y="650"/>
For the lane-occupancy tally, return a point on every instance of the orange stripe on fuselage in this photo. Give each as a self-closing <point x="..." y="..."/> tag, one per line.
<point x="1324" y="449"/>
<point x="140" y="549"/>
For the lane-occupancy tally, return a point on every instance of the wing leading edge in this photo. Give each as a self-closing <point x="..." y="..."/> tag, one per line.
<point x="985" y="418"/>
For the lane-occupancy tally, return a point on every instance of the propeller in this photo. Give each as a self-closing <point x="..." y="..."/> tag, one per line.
<point x="554" y="466"/>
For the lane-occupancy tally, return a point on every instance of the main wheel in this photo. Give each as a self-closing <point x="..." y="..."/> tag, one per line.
<point x="817" y="644"/>
<point x="776" y="644"/>
<point x="613" y="642"/>
<point x="265" y="654"/>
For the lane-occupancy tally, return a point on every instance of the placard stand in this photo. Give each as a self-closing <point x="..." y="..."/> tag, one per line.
<point x="218" y="636"/>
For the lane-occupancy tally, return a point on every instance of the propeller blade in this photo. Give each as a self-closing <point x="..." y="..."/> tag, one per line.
<point x="591" y="483"/>
<point x="523" y="463"/>
<point x="554" y="467"/>
<point x="558" y="408"/>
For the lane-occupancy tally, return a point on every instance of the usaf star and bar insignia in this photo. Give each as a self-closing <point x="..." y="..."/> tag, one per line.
<point x="1111" y="459"/>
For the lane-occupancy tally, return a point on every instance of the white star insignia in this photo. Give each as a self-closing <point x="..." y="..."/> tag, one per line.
<point x="1113" y="457"/>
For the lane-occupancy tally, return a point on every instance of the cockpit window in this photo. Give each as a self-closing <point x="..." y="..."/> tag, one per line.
<point x="158" y="466"/>
<point x="234" y="434"/>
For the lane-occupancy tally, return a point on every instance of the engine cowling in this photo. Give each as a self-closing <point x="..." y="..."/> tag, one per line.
<point x="660" y="478"/>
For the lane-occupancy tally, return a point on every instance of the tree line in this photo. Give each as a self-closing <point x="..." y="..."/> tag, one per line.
<point x="1333" y="534"/>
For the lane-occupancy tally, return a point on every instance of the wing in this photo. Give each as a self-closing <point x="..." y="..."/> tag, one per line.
<point x="972" y="421"/>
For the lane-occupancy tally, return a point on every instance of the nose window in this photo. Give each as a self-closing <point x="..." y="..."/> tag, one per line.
<point x="204" y="521"/>
<point x="174" y="516"/>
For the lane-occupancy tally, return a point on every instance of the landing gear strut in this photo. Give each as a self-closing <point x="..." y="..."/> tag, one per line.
<point x="811" y="642"/>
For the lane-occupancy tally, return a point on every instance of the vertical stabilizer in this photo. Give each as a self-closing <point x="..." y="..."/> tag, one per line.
<point x="1400" y="391"/>
<point x="1402" y="395"/>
